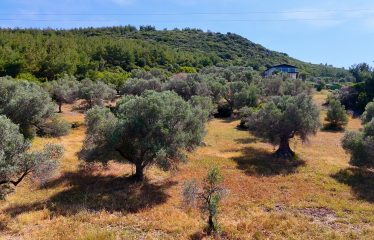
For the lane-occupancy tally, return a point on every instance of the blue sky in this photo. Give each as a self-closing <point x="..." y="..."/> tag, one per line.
<point x="320" y="31"/>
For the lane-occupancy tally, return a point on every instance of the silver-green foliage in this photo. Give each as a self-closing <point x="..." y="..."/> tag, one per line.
<point x="17" y="162"/>
<point x="369" y="113"/>
<point x="283" y="118"/>
<point x="361" y="144"/>
<point x="64" y="90"/>
<point x="151" y="128"/>
<point x="207" y="196"/>
<point x="336" y="114"/>
<point x="95" y="93"/>
<point x="25" y="103"/>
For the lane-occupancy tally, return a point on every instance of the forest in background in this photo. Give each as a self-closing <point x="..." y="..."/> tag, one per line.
<point x="114" y="52"/>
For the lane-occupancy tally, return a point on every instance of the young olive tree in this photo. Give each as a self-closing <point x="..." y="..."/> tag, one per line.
<point x="17" y="162"/>
<point x="147" y="129"/>
<point x="64" y="90"/>
<point x="283" y="118"/>
<point x="26" y="104"/>
<point x="96" y="92"/>
<point x="207" y="197"/>
<point x="337" y="116"/>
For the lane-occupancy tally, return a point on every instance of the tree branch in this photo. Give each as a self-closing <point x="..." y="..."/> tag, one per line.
<point x="15" y="183"/>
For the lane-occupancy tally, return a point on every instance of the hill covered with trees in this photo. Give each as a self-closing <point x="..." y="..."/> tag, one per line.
<point x="116" y="51"/>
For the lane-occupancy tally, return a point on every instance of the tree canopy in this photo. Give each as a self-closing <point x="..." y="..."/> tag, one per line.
<point x="337" y="116"/>
<point x="147" y="129"/>
<point x="17" y="162"/>
<point x="25" y="103"/>
<point x="283" y="118"/>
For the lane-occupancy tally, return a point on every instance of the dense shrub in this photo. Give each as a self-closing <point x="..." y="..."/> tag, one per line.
<point x="55" y="127"/>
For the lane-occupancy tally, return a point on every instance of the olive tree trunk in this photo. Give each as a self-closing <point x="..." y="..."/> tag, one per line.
<point x="284" y="150"/>
<point x="60" y="107"/>
<point x="139" y="172"/>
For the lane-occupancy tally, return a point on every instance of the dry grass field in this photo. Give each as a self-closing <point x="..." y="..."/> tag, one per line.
<point x="317" y="196"/>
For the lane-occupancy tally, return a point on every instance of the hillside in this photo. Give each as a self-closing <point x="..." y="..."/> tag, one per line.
<point x="49" y="53"/>
<point x="229" y="47"/>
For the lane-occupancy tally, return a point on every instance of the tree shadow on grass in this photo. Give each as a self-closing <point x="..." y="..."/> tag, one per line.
<point x="246" y="140"/>
<point x="360" y="180"/>
<point x="328" y="128"/>
<point x="95" y="193"/>
<point x="261" y="162"/>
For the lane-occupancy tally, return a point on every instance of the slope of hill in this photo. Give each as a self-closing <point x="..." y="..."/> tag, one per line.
<point x="48" y="53"/>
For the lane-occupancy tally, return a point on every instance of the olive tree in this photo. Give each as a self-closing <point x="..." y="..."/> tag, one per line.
<point x="230" y="89"/>
<point x="17" y="161"/>
<point x="247" y="97"/>
<point x="188" y="85"/>
<point x="205" y="103"/>
<point x="138" y="86"/>
<point x="64" y="90"/>
<point x="337" y="116"/>
<point x="283" y="118"/>
<point x="147" y="129"/>
<point x="207" y="197"/>
<point x="26" y="104"/>
<point x="96" y="92"/>
<point x="369" y="113"/>
<point x="361" y="146"/>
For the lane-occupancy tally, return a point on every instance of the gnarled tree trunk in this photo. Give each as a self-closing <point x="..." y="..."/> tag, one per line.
<point x="284" y="150"/>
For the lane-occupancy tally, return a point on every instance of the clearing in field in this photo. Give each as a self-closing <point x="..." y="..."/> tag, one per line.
<point x="317" y="196"/>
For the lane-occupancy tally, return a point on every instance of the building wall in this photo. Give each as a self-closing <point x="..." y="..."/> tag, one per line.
<point x="291" y="72"/>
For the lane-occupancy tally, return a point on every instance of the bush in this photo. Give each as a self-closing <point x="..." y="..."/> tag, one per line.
<point x="56" y="127"/>
<point x="368" y="114"/>
<point x="361" y="146"/>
